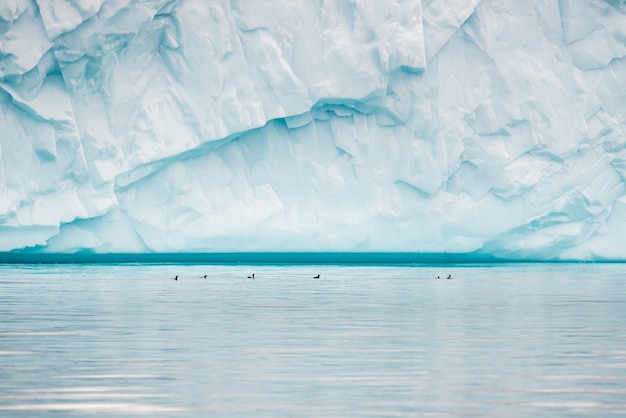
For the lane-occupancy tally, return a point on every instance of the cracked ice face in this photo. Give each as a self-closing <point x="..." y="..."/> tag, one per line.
<point x="373" y="125"/>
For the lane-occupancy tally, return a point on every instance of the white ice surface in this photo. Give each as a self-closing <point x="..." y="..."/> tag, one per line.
<point x="489" y="126"/>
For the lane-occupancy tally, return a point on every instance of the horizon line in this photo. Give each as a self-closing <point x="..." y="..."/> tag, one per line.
<point x="273" y="257"/>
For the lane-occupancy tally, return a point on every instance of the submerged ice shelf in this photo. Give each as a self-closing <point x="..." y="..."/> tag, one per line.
<point x="424" y="126"/>
<point x="253" y="258"/>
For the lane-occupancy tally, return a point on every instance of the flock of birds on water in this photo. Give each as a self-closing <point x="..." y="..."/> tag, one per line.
<point x="315" y="277"/>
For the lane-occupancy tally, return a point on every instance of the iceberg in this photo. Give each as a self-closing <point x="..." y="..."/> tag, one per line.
<point x="424" y="126"/>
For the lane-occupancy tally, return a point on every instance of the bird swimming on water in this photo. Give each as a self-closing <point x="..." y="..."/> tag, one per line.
<point x="251" y="277"/>
<point x="316" y="277"/>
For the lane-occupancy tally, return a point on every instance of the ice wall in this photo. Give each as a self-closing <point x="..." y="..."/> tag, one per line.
<point x="488" y="126"/>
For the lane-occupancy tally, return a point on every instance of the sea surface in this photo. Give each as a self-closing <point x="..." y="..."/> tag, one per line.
<point x="497" y="340"/>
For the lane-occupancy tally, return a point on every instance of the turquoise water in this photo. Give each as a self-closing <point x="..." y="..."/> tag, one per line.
<point x="362" y="341"/>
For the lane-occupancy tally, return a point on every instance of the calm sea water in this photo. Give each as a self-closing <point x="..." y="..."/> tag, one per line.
<point x="390" y="341"/>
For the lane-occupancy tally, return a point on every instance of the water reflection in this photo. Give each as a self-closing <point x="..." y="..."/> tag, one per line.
<point x="511" y="340"/>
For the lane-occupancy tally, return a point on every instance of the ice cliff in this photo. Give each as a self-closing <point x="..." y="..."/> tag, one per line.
<point x="441" y="126"/>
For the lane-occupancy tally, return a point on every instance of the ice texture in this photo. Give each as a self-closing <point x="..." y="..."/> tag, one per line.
<point x="435" y="126"/>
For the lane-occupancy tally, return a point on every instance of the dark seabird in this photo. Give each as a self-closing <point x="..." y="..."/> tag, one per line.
<point x="449" y="276"/>
<point x="251" y="277"/>
<point x="316" y="277"/>
<point x="176" y="278"/>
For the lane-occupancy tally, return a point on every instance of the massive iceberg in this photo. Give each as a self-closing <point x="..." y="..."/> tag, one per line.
<point x="490" y="127"/>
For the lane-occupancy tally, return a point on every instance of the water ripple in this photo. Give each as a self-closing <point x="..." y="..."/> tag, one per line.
<point x="514" y="340"/>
